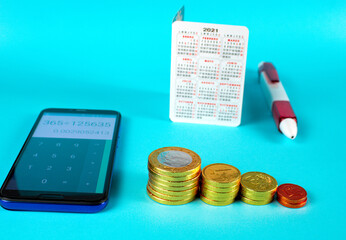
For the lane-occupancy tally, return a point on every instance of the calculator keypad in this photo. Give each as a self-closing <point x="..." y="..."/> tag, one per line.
<point x="59" y="165"/>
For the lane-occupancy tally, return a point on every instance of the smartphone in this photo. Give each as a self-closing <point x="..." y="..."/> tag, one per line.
<point x="65" y="163"/>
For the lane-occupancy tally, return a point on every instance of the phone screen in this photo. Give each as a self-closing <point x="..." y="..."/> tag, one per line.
<point x="67" y="152"/>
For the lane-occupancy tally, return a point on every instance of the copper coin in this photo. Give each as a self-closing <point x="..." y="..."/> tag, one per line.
<point x="291" y="205"/>
<point x="291" y="202"/>
<point x="291" y="193"/>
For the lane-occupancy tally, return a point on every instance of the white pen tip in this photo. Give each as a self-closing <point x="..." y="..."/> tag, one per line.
<point x="289" y="128"/>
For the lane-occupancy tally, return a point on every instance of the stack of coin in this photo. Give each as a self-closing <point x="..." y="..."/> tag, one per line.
<point x="173" y="175"/>
<point x="220" y="184"/>
<point x="257" y="188"/>
<point x="291" y="195"/>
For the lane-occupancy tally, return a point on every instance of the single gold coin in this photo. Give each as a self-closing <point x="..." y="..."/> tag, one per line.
<point x="169" y="202"/>
<point x="218" y="198"/>
<point x="173" y="188"/>
<point x="165" y="183"/>
<point x="169" y="197"/>
<point x="221" y="195"/>
<point x="255" y="202"/>
<point x="174" y="175"/>
<point x="174" y="193"/>
<point x="219" y="189"/>
<point x="174" y="179"/>
<point x="215" y="203"/>
<point x="221" y="185"/>
<point x="174" y="161"/>
<point x="257" y="195"/>
<point x="258" y="182"/>
<point x="221" y="175"/>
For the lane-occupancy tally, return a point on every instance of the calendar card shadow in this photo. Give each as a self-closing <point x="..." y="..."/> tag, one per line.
<point x="254" y="108"/>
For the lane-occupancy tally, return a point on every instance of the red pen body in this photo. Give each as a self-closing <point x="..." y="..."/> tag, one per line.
<point x="275" y="94"/>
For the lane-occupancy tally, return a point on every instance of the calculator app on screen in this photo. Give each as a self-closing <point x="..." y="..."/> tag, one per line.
<point x="67" y="153"/>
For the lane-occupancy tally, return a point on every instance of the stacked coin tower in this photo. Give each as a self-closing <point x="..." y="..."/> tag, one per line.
<point x="173" y="175"/>
<point x="257" y="188"/>
<point x="220" y="184"/>
<point x="291" y="195"/>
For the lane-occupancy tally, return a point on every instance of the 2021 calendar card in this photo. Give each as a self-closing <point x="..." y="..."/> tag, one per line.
<point x="208" y="63"/>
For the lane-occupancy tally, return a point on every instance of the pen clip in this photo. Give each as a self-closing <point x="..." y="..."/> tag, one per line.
<point x="270" y="70"/>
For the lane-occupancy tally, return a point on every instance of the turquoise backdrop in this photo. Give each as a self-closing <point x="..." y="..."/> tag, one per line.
<point x="116" y="55"/>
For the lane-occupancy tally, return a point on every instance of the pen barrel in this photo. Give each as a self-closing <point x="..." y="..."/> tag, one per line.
<point x="273" y="91"/>
<point x="282" y="110"/>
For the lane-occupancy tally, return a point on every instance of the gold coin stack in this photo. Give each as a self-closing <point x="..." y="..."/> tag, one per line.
<point x="220" y="184"/>
<point x="173" y="175"/>
<point x="257" y="188"/>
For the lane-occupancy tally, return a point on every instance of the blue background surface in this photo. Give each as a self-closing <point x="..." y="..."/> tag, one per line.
<point x="116" y="55"/>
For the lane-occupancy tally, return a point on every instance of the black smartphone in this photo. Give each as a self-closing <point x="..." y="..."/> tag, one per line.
<point x="65" y="163"/>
